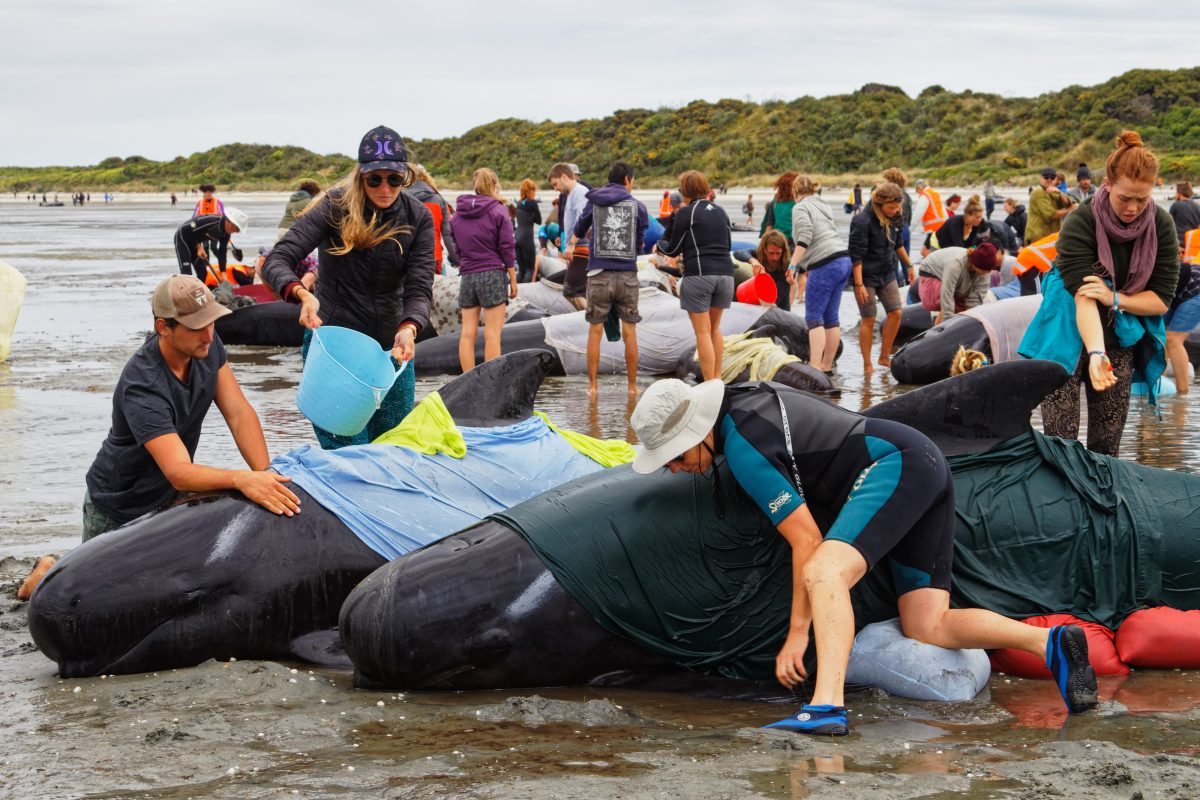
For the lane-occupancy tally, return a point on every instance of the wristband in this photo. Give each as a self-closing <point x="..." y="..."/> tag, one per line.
<point x="859" y="286"/>
<point x="1100" y="353"/>
<point x="1116" y="300"/>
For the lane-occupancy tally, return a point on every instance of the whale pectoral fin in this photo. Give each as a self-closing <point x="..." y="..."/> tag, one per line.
<point x="764" y="332"/>
<point x="323" y="648"/>
<point x="975" y="411"/>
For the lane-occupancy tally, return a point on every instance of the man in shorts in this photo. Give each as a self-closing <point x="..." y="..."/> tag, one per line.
<point x="893" y="495"/>
<point x="566" y="182"/>
<point x="615" y="226"/>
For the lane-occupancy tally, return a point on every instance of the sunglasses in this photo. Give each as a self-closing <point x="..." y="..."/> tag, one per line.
<point x="394" y="180"/>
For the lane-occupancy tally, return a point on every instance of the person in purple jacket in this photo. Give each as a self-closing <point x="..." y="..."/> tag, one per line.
<point x="617" y="225"/>
<point x="487" y="249"/>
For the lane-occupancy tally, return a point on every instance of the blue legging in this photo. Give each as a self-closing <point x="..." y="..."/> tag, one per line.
<point x="394" y="408"/>
<point x="823" y="292"/>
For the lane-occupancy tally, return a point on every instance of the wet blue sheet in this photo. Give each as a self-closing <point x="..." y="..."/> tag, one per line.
<point x="397" y="500"/>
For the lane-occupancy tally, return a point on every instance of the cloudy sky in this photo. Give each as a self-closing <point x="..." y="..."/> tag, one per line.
<point x="81" y="80"/>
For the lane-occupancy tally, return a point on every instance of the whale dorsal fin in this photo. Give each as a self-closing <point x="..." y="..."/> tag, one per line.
<point x="975" y="411"/>
<point x="498" y="392"/>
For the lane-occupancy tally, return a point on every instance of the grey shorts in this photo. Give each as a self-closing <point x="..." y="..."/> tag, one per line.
<point x="611" y="288"/>
<point x="889" y="295"/>
<point x="488" y="289"/>
<point x="699" y="293"/>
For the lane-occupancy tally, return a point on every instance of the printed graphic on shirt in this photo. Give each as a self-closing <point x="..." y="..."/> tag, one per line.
<point x="616" y="230"/>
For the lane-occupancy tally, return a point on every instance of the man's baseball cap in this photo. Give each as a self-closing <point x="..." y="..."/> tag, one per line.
<point x="188" y="300"/>
<point x="575" y="168"/>
<point x="382" y="148"/>
<point x="1050" y="173"/>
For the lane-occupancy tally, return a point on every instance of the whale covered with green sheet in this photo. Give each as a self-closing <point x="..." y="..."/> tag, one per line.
<point x="617" y="573"/>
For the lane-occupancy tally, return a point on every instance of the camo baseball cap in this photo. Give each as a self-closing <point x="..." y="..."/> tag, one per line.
<point x="188" y="300"/>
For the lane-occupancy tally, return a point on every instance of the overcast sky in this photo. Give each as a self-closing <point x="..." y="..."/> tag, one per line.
<point x="81" y="80"/>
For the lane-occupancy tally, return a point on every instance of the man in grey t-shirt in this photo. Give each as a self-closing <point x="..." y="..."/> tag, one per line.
<point x="159" y="405"/>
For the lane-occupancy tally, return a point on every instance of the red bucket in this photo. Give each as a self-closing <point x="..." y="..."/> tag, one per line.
<point x="759" y="289"/>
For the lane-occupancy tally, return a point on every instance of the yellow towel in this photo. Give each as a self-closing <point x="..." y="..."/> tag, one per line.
<point x="605" y="452"/>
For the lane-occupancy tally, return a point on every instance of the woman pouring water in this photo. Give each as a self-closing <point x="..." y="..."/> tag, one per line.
<point x="375" y="248"/>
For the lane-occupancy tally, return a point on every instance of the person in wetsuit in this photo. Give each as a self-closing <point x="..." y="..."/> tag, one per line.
<point x="893" y="495"/>
<point x="194" y="237"/>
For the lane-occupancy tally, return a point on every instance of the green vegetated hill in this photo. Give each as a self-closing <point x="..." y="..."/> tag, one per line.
<point x="943" y="135"/>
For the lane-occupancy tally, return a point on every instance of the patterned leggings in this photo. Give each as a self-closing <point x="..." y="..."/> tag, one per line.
<point x="1107" y="410"/>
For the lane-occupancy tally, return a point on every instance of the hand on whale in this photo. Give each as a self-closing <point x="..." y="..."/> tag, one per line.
<point x="217" y="576"/>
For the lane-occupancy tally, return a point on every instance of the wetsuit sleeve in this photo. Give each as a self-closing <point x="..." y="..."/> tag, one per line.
<point x="537" y="213"/>
<point x="761" y="476"/>
<point x="282" y="267"/>
<point x="221" y="245"/>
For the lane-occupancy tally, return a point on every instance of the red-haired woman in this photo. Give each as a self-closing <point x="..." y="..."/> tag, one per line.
<point x="1115" y="276"/>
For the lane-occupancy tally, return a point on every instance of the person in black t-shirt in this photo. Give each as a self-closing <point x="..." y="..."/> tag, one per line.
<point x="159" y="405"/>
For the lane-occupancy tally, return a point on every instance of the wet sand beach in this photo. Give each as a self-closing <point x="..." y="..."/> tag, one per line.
<point x="251" y="729"/>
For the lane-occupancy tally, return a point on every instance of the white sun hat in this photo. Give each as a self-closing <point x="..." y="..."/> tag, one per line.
<point x="672" y="417"/>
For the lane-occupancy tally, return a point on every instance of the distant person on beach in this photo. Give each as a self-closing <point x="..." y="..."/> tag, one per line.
<point x="699" y="232"/>
<point x="572" y="201"/>
<point x="1184" y="211"/>
<point x="822" y="259"/>
<point x="159" y="406"/>
<point x="778" y="213"/>
<point x="208" y="204"/>
<point x="896" y="175"/>
<point x="970" y="229"/>
<point x="1047" y="207"/>
<point x="1115" y="276"/>
<point x="954" y="279"/>
<point x="614" y="224"/>
<point x="856" y="194"/>
<point x="748" y="209"/>
<point x="929" y="211"/>
<point x="425" y="189"/>
<point x="1084" y="190"/>
<point x="875" y="244"/>
<point x="771" y="258"/>
<point x="376" y="268"/>
<point x="306" y="192"/>
<point x="529" y="217"/>
<point x="174" y="200"/>
<point x="487" y="267"/>
<point x="989" y="197"/>
<point x="195" y="238"/>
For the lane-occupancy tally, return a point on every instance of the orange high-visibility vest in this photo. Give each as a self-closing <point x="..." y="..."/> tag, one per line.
<point x="232" y="271"/>
<point x="664" y="208"/>
<point x="1191" y="246"/>
<point x="208" y="205"/>
<point x="1039" y="255"/>
<point x="935" y="212"/>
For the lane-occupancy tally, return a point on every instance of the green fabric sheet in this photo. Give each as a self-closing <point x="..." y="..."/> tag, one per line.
<point x="1043" y="526"/>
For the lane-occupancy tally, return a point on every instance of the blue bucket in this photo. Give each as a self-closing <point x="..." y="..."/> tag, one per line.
<point x="346" y="376"/>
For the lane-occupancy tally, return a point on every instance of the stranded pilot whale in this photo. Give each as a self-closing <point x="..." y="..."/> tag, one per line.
<point x="558" y="589"/>
<point x="217" y="576"/>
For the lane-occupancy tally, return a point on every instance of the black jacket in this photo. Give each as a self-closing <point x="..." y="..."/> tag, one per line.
<point x="699" y="232"/>
<point x="1016" y="222"/>
<point x="874" y="246"/>
<point x="371" y="291"/>
<point x="951" y="235"/>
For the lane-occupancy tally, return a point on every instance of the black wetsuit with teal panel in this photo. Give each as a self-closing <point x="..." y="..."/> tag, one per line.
<point x="888" y="484"/>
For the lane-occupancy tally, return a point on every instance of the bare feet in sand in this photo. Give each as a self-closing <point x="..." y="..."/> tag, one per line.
<point x="593" y="391"/>
<point x="868" y="368"/>
<point x="884" y="361"/>
<point x="39" y="571"/>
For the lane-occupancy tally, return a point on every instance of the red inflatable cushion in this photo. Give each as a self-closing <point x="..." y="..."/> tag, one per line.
<point x="1101" y="651"/>
<point x="1160" y="638"/>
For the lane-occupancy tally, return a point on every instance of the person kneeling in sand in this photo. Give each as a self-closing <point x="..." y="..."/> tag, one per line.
<point x="893" y="495"/>
<point x="159" y="405"/>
